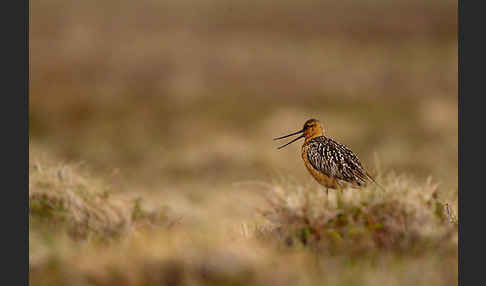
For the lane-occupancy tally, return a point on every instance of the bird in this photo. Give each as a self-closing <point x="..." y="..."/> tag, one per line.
<point x="332" y="164"/>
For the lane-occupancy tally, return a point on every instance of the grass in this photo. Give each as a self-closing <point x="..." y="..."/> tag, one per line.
<point x="406" y="218"/>
<point x="82" y="232"/>
<point x="64" y="199"/>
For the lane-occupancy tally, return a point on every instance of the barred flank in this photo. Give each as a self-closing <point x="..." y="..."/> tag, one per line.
<point x="335" y="160"/>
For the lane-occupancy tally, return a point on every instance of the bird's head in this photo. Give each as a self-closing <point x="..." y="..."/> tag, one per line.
<point x="312" y="128"/>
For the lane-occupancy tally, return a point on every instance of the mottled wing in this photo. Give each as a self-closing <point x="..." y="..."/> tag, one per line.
<point x="335" y="160"/>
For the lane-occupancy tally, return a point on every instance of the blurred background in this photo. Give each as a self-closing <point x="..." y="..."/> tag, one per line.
<point x="175" y="103"/>
<point x="185" y="92"/>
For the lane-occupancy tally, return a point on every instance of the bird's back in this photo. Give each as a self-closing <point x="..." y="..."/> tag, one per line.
<point x="334" y="160"/>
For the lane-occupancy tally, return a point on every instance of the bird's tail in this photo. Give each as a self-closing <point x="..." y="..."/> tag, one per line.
<point x="374" y="181"/>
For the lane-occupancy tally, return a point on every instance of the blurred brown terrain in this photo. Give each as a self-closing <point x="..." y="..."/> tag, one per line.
<point x="176" y="103"/>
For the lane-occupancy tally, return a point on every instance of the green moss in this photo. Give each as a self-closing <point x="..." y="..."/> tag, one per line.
<point x="334" y="236"/>
<point x="305" y="234"/>
<point x="47" y="208"/>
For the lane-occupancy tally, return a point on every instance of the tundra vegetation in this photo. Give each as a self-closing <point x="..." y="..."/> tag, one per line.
<point x="151" y="160"/>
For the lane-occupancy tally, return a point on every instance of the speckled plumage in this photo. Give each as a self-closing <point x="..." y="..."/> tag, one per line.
<point x="334" y="160"/>
<point x="333" y="165"/>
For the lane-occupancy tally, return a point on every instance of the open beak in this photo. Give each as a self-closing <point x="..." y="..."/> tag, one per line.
<point x="295" y="133"/>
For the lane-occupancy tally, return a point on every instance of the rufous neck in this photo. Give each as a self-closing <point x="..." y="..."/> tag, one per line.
<point x="314" y="134"/>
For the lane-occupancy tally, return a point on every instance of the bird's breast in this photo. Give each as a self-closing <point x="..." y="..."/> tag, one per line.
<point x="320" y="177"/>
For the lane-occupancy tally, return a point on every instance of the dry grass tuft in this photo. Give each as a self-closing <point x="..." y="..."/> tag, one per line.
<point x="366" y="237"/>
<point x="407" y="218"/>
<point x="63" y="197"/>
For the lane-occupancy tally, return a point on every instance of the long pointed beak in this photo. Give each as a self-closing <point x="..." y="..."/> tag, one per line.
<point x="295" y="133"/>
